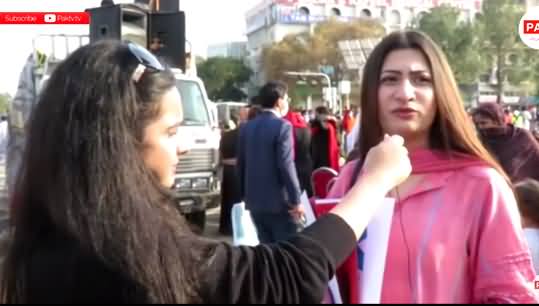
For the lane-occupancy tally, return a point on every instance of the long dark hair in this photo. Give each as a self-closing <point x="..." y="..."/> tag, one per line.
<point x="83" y="178"/>
<point x="451" y="129"/>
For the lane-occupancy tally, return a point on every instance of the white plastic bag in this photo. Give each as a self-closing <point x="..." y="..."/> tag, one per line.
<point x="243" y="228"/>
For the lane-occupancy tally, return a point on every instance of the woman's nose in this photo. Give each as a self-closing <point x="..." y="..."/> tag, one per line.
<point x="406" y="90"/>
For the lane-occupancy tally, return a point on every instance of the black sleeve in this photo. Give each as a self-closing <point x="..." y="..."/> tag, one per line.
<point x="293" y="271"/>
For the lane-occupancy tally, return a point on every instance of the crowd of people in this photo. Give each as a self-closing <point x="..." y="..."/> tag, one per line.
<point x="314" y="143"/>
<point x="94" y="220"/>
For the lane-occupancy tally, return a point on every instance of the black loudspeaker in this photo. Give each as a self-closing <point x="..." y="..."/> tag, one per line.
<point x="122" y="22"/>
<point x="166" y="37"/>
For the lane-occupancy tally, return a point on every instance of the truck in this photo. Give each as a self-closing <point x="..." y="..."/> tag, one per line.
<point x="197" y="184"/>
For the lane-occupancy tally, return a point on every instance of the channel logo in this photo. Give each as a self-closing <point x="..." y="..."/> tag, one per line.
<point x="528" y="28"/>
<point x="49" y="18"/>
<point x="531" y="26"/>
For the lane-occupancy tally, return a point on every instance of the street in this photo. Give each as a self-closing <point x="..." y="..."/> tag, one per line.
<point x="212" y="226"/>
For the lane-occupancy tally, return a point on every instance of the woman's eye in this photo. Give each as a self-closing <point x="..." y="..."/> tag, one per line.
<point x="389" y="80"/>
<point x="423" y="80"/>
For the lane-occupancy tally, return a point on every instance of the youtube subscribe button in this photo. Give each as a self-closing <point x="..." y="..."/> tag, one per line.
<point x="44" y="18"/>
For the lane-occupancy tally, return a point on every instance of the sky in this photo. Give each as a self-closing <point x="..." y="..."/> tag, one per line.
<point x="207" y="22"/>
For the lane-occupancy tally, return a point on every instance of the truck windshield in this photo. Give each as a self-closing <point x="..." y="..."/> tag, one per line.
<point x="194" y="106"/>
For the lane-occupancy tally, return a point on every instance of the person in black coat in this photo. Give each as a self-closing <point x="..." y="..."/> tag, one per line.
<point x="302" y="150"/>
<point x="230" y="193"/>
<point x="324" y="142"/>
<point x="93" y="220"/>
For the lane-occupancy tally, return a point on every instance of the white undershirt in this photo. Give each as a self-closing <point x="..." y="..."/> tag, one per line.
<point x="532" y="236"/>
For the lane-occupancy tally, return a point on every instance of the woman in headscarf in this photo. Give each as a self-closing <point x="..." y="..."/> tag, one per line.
<point x="515" y="148"/>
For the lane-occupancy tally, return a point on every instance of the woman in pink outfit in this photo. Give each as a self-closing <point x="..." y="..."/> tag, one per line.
<point x="456" y="235"/>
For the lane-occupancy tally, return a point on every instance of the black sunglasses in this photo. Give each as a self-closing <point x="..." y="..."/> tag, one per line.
<point x="145" y="58"/>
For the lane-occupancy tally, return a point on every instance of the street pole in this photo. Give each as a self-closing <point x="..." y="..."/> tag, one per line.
<point x="316" y="74"/>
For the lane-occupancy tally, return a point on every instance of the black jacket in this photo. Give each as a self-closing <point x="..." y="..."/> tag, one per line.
<point x="294" y="271"/>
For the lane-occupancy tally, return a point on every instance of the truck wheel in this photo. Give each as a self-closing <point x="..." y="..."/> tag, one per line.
<point x="197" y="220"/>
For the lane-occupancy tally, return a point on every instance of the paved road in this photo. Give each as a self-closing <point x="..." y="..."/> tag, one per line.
<point x="212" y="225"/>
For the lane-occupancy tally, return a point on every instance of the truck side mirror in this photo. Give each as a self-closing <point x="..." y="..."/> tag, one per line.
<point x="214" y="114"/>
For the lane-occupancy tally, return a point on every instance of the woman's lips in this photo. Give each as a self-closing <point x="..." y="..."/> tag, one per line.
<point x="405" y="113"/>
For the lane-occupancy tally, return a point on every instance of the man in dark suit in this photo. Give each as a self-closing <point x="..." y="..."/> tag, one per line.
<point x="267" y="175"/>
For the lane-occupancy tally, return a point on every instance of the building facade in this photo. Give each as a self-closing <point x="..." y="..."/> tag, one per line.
<point x="271" y="20"/>
<point x="232" y="49"/>
<point x="530" y="3"/>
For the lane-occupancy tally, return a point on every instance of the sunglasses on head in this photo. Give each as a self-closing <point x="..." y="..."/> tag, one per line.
<point x="145" y="58"/>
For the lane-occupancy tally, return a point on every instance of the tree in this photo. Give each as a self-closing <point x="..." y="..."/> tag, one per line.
<point x="534" y="90"/>
<point x="290" y="54"/>
<point x="303" y="51"/>
<point x="328" y="34"/>
<point x="224" y="77"/>
<point x="5" y="100"/>
<point x="459" y="41"/>
<point x="499" y="36"/>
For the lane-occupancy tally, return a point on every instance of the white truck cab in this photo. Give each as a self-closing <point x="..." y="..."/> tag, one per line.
<point x="197" y="185"/>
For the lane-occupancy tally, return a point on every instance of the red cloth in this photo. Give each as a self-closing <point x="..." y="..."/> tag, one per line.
<point x="297" y="121"/>
<point x="320" y="179"/>
<point x="348" y="121"/>
<point x="508" y="119"/>
<point x="334" y="151"/>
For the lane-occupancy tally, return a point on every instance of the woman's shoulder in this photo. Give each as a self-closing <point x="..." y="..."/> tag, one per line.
<point x="476" y="180"/>
<point x="480" y="182"/>
<point x="480" y="173"/>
